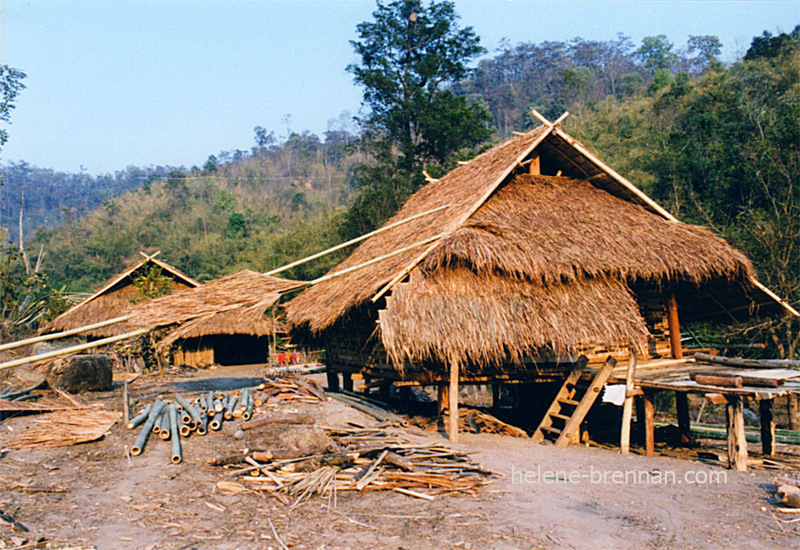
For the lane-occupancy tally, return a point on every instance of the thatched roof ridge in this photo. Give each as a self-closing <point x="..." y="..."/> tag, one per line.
<point x="461" y="190"/>
<point x="114" y="299"/>
<point x="550" y="229"/>
<point x="489" y="319"/>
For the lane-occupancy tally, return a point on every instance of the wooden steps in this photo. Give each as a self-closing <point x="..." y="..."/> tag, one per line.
<point x="578" y="393"/>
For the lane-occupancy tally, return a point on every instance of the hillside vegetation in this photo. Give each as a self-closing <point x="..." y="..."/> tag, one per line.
<point x="715" y="144"/>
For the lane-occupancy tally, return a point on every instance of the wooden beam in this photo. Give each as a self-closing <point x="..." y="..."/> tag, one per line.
<point x="347" y="381"/>
<point x="674" y="327"/>
<point x="627" y="406"/>
<point x="535" y="168"/>
<point x="737" y="444"/>
<point x="649" y="423"/>
<point x="442" y="398"/>
<point x="495" y="396"/>
<point x="684" y="421"/>
<point x="793" y="408"/>
<point x="767" y="427"/>
<point x="333" y="379"/>
<point x="453" y="424"/>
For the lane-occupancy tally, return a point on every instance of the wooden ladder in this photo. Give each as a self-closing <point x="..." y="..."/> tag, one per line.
<point x="573" y="401"/>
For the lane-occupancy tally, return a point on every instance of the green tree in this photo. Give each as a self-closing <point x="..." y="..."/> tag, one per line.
<point x="10" y="87"/>
<point x="411" y="55"/>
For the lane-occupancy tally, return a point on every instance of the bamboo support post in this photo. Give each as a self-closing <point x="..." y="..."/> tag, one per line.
<point x="684" y="421"/>
<point x="453" y="408"/>
<point x="627" y="406"/>
<point x="737" y="444"/>
<point x="794" y="412"/>
<point x="767" y="419"/>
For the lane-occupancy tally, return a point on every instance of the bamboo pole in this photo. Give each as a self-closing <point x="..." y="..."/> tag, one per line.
<point x="353" y="241"/>
<point x="64" y="334"/>
<point x="73" y="349"/>
<point x="375" y="260"/>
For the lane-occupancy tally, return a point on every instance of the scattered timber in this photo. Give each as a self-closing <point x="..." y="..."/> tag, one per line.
<point x="747" y="363"/>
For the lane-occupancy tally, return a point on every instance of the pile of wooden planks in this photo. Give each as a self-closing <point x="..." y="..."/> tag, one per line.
<point x="362" y="459"/>
<point x="292" y="389"/>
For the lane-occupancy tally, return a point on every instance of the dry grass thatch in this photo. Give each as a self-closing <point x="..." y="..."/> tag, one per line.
<point x="115" y="299"/>
<point x="322" y="305"/>
<point x="62" y="428"/>
<point x="230" y="305"/>
<point x="556" y="229"/>
<point x="544" y="229"/>
<point x="489" y="319"/>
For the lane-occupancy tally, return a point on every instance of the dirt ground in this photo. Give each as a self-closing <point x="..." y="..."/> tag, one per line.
<point x="95" y="496"/>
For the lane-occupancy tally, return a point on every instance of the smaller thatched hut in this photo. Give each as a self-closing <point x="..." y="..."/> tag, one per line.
<point x="117" y="297"/>
<point x="220" y="322"/>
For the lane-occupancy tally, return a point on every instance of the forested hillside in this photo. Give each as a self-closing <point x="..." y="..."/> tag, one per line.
<point x="716" y="144"/>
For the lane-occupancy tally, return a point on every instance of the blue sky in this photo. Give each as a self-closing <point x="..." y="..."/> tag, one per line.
<point x="113" y="83"/>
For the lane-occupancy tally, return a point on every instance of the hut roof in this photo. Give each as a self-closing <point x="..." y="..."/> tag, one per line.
<point x="592" y="223"/>
<point x="115" y="298"/>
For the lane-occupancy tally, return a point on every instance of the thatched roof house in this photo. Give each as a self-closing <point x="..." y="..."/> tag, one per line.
<point x="541" y="249"/>
<point x="220" y="322"/>
<point x="116" y="298"/>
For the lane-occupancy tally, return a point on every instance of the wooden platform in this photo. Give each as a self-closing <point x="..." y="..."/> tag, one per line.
<point x="677" y="375"/>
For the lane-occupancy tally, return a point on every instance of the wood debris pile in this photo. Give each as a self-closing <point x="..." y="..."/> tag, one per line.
<point x="361" y="459"/>
<point x="475" y="421"/>
<point x="292" y="389"/>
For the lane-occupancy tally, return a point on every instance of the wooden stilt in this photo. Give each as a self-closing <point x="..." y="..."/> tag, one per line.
<point x="453" y="408"/>
<point x="495" y="396"/>
<point x="384" y="392"/>
<point x="674" y="327"/>
<point x="794" y="412"/>
<point x="347" y="381"/>
<point x="649" y="424"/>
<point x="767" y="427"/>
<point x="627" y="406"/>
<point x="333" y="379"/>
<point x="443" y="398"/>
<point x="737" y="444"/>
<point x="684" y="421"/>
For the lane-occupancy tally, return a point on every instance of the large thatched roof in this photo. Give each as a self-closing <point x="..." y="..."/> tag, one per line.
<point x="522" y="262"/>
<point x="116" y="298"/>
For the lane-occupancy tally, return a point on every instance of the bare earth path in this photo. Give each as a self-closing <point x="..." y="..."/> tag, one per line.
<point x="546" y="498"/>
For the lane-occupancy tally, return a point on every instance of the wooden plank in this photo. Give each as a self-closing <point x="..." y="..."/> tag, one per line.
<point x="793" y="409"/>
<point x="767" y="420"/>
<point x="747" y="363"/>
<point x="737" y="444"/>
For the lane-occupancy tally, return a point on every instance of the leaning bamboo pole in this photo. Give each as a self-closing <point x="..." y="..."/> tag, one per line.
<point x="64" y="334"/>
<point x="353" y="241"/>
<point x="72" y="349"/>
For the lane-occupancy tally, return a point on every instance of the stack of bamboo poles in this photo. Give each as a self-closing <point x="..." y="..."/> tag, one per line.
<point x="365" y="459"/>
<point x="179" y="418"/>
